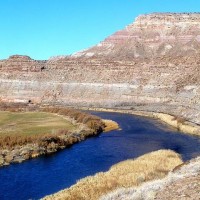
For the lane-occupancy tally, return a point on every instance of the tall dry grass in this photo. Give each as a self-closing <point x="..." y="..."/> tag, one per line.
<point x="186" y="173"/>
<point x="110" y="125"/>
<point x="11" y="141"/>
<point x="125" y="174"/>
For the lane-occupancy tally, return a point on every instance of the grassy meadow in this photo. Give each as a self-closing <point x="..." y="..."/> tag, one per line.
<point x="46" y="125"/>
<point x="30" y="123"/>
<point x="21" y="128"/>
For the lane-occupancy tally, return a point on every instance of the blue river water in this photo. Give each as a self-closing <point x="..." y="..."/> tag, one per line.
<point x="45" y="175"/>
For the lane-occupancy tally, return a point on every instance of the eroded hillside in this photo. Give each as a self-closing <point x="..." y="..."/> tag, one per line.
<point x="152" y="65"/>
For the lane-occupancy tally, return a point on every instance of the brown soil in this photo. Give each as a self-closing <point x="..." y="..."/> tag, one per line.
<point x="185" y="189"/>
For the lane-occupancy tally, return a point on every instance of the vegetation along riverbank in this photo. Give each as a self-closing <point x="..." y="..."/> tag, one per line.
<point x="177" y="122"/>
<point x="28" y="132"/>
<point x="125" y="174"/>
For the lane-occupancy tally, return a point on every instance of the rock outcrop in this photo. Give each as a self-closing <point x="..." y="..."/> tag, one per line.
<point x="151" y="36"/>
<point x="21" y="64"/>
<point x="152" y="65"/>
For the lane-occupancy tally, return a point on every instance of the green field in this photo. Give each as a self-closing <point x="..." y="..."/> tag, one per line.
<point x="30" y="123"/>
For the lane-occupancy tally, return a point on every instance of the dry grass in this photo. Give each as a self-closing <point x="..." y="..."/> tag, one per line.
<point x="110" y="125"/>
<point x="179" y="119"/>
<point x="11" y="141"/>
<point x="126" y="174"/>
<point x="181" y="183"/>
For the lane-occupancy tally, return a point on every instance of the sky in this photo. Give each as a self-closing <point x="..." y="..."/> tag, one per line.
<point x="45" y="28"/>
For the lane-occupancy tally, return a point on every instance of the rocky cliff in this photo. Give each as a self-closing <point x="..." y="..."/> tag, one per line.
<point x="153" y="64"/>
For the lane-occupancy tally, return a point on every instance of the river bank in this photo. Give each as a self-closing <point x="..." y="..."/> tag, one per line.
<point x="179" y="123"/>
<point x="125" y="174"/>
<point x="16" y="148"/>
<point x="94" y="187"/>
<point x="180" y="183"/>
<point x="139" y="136"/>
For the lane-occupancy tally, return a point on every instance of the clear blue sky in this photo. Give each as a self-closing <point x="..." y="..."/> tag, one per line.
<point x="44" y="28"/>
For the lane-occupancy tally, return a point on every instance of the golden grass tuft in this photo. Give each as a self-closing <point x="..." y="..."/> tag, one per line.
<point x="110" y="125"/>
<point x="125" y="174"/>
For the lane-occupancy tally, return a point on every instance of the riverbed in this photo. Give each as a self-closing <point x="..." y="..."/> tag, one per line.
<point x="45" y="175"/>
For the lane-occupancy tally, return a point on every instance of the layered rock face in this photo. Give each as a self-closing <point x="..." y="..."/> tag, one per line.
<point x="153" y="64"/>
<point x="153" y="35"/>
<point x="21" y="64"/>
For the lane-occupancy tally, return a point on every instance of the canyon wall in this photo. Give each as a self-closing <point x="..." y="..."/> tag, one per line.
<point x="152" y="65"/>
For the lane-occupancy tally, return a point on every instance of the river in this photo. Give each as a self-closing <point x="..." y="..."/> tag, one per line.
<point x="45" y="175"/>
